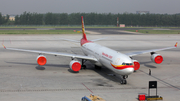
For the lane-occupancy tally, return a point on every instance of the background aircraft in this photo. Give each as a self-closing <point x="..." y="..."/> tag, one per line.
<point x="122" y="64"/>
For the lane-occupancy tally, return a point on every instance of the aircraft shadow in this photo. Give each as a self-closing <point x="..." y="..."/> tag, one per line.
<point x="108" y="74"/>
<point x="40" y="68"/>
<point x="69" y="70"/>
<point x="105" y="73"/>
<point x="147" y="65"/>
<point x="51" y="65"/>
<point x="43" y="67"/>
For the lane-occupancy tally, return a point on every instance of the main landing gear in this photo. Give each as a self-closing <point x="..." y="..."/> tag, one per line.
<point x="97" y="67"/>
<point x="123" y="81"/>
<point x="83" y="66"/>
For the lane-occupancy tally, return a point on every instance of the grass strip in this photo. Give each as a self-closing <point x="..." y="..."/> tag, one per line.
<point x="73" y="26"/>
<point x="38" y="32"/>
<point x="58" y="27"/>
<point x="157" y="31"/>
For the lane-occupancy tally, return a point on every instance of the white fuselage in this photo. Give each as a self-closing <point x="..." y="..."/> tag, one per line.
<point x="109" y="58"/>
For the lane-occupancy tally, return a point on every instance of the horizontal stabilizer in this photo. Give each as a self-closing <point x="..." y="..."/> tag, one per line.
<point x="70" y="40"/>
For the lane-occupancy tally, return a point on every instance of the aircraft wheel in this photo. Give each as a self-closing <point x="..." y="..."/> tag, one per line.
<point x="125" y="76"/>
<point x="83" y="66"/>
<point x="123" y="82"/>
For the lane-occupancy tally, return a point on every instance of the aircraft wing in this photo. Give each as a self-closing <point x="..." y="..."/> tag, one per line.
<point x="54" y="53"/>
<point x="147" y="51"/>
<point x="99" y="39"/>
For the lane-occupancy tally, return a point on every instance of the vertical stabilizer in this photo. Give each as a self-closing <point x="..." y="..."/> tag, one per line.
<point x="83" y="28"/>
<point x="84" y="39"/>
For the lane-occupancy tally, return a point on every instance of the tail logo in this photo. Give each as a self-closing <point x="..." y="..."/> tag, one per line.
<point x="83" y="30"/>
<point x="3" y="46"/>
<point x="84" y="39"/>
<point x="176" y="44"/>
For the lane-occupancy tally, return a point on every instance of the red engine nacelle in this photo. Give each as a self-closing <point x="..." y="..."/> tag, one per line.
<point x="157" y="58"/>
<point x="41" y="60"/>
<point x="136" y="64"/>
<point x="75" y="65"/>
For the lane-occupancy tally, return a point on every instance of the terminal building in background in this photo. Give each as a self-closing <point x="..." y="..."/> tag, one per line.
<point x="11" y="17"/>
<point x="142" y="12"/>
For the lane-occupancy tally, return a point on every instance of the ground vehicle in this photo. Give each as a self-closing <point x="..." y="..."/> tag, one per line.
<point x="92" y="98"/>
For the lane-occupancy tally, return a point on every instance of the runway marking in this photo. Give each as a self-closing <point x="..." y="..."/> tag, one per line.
<point x="50" y="90"/>
<point x="86" y="87"/>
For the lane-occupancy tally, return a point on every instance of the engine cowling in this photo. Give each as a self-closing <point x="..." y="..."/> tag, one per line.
<point x="136" y="64"/>
<point x="75" y="65"/>
<point x="157" y="58"/>
<point x="41" y="60"/>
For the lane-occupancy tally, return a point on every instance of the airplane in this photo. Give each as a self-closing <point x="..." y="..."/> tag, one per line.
<point x="122" y="64"/>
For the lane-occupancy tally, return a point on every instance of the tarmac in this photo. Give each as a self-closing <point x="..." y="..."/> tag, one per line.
<point x="22" y="80"/>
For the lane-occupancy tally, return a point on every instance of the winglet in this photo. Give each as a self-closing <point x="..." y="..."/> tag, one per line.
<point x="176" y="44"/>
<point x="4" y="46"/>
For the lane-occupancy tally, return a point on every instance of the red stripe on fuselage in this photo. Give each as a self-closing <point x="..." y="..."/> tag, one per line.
<point x="121" y="67"/>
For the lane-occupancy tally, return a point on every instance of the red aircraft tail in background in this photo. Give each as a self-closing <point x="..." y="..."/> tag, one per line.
<point x="84" y="39"/>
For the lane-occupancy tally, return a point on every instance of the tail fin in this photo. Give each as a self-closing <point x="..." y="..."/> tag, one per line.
<point x="83" y="28"/>
<point x="176" y="44"/>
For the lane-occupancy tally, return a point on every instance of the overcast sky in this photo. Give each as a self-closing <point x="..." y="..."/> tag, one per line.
<point x="87" y="6"/>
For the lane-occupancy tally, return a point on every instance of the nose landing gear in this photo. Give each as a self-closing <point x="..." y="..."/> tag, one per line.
<point x="123" y="81"/>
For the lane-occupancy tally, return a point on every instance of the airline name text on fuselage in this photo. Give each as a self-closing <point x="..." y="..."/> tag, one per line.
<point x="104" y="54"/>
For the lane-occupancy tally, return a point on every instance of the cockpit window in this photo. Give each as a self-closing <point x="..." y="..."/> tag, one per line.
<point x="127" y="64"/>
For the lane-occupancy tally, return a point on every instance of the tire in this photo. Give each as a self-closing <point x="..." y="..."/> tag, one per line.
<point x="125" y="82"/>
<point x="121" y="81"/>
<point x="83" y="66"/>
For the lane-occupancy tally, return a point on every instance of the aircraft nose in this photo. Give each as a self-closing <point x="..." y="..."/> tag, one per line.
<point x="129" y="70"/>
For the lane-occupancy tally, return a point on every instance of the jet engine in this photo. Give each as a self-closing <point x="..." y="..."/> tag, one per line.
<point x="75" y="65"/>
<point x="41" y="60"/>
<point x="136" y="64"/>
<point x="157" y="58"/>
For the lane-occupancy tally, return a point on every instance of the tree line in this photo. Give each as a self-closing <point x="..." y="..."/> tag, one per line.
<point x="3" y="19"/>
<point x="97" y="19"/>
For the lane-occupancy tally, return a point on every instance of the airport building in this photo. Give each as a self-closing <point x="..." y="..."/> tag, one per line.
<point x="142" y="12"/>
<point x="11" y="17"/>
